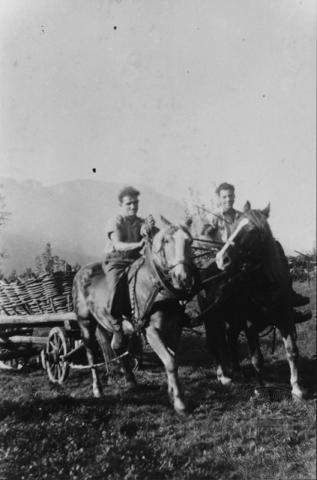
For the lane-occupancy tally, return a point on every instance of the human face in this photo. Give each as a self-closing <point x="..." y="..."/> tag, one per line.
<point x="226" y="200"/>
<point x="129" y="206"/>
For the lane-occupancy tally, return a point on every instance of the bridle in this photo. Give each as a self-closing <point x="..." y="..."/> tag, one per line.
<point x="247" y="259"/>
<point x="166" y="269"/>
<point x="162" y="272"/>
<point x="160" y="254"/>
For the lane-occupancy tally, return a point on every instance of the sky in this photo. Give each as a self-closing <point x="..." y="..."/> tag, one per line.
<point x="170" y="94"/>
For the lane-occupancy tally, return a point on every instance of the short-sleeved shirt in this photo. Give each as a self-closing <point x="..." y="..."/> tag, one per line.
<point x="220" y="226"/>
<point x="129" y="230"/>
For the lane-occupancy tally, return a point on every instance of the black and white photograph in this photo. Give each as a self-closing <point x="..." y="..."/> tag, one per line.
<point x="158" y="240"/>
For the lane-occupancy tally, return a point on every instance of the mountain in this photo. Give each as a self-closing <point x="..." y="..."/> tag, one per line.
<point x="70" y="215"/>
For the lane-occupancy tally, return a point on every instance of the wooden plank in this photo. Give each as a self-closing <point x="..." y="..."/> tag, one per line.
<point x="18" y="354"/>
<point x="23" y="339"/>
<point x="43" y="319"/>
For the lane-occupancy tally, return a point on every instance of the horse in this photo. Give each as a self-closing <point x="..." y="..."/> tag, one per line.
<point x="253" y="293"/>
<point x="164" y="275"/>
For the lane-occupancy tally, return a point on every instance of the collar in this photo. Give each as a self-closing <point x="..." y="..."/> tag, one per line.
<point x="162" y="281"/>
<point x="232" y="213"/>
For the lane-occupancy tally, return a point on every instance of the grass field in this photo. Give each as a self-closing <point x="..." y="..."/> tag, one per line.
<point x="49" y="432"/>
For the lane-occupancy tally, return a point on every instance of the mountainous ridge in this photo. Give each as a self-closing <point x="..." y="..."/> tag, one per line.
<point x="69" y="215"/>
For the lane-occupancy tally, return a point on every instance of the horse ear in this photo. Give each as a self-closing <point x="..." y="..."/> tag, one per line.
<point x="247" y="206"/>
<point x="166" y="222"/>
<point x="266" y="210"/>
<point x="189" y="222"/>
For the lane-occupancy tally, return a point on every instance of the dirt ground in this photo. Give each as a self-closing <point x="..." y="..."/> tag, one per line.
<point x="61" y="432"/>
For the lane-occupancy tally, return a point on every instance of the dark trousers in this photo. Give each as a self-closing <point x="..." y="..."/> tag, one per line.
<point x="118" y="295"/>
<point x="284" y="263"/>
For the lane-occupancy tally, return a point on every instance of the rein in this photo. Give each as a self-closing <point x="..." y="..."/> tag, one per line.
<point x="160" y="278"/>
<point x="160" y="285"/>
<point x="212" y="213"/>
<point x="211" y="242"/>
<point x="231" y="278"/>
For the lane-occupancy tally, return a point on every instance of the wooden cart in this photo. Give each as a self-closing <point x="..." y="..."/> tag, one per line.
<point x="55" y="338"/>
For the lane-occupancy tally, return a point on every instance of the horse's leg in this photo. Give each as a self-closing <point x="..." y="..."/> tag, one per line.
<point x="136" y="348"/>
<point x="109" y="353"/>
<point x="233" y="335"/>
<point x="88" y="333"/>
<point x="287" y="330"/>
<point x="130" y="379"/>
<point x="217" y="344"/>
<point x="255" y="351"/>
<point x="157" y="335"/>
<point x="104" y="340"/>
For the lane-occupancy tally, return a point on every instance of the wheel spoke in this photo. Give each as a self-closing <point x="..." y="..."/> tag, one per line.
<point x="56" y="347"/>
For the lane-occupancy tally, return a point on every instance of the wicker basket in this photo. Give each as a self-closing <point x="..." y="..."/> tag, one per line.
<point x="45" y="294"/>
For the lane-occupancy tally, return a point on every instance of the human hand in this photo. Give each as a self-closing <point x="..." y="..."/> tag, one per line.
<point x="150" y="221"/>
<point x="148" y="226"/>
<point x="141" y="243"/>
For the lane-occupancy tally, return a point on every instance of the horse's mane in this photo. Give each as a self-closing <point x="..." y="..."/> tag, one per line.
<point x="168" y="230"/>
<point x="258" y="220"/>
<point x="271" y="260"/>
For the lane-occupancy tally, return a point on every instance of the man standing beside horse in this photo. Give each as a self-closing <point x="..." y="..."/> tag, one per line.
<point x="220" y="228"/>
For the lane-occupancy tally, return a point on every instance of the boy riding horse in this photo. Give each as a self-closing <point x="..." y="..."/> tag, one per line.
<point x="125" y="239"/>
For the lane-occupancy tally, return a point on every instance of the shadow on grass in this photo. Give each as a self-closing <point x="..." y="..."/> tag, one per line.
<point x="33" y="408"/>
<point x="193" y="351"/>
<point x="278" y="372"/>
<point x="40" y="409"/>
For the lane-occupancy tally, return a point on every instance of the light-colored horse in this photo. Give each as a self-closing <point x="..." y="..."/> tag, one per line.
<point x="166" y="276"/>
<point x="259" y="295"/>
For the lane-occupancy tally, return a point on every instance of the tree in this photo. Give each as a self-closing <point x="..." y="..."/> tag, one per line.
<point x="49" y="263"/>
<point x="12" y="276"/>
<point x="44" y="262"/>
<point x="4" y="215"/>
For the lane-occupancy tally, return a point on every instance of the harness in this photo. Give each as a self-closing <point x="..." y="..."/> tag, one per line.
<point x="160" y="285"/>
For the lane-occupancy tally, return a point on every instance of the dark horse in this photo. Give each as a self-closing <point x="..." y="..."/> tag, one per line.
<point x="164" y="276"/>
<point x="253" y="293"/>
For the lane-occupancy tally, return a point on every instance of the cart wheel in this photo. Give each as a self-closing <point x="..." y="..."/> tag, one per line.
<point x="57" y="346"/>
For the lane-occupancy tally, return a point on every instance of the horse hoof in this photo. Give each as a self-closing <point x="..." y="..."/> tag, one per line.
<point x="182" y="412"/>
<point x="110" y="381"/>
<point x="299" y="394"/>
<point x="97" y="394"/>
<point x="180" y="407"/>
<point x="131" y="386"/>
<point x="258" y="394"/>
<point x="225" y="380"/>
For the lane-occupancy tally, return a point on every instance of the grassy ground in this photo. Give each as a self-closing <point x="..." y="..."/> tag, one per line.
<point x="49" y="432"/>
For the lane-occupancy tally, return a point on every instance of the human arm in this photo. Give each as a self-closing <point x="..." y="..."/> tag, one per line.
<point x="211" y="227"/>
<point x="120" y="238"/>
<point x="121" y="246"/>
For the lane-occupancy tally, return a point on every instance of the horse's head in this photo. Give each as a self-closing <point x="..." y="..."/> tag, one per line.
<point x="250" y="236"/>
<point x="172" y="254"/>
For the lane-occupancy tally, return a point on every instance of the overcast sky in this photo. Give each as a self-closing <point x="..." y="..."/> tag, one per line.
<point x="169" y="94"/>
